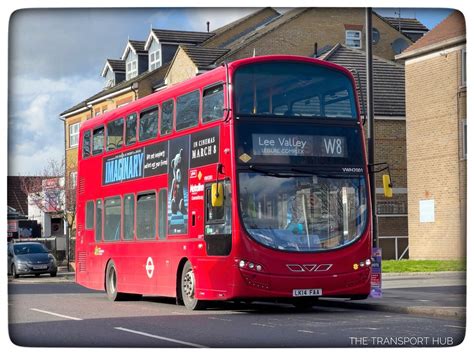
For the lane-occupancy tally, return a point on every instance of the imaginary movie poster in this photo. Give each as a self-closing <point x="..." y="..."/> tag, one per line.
<point x="178" y="185"/>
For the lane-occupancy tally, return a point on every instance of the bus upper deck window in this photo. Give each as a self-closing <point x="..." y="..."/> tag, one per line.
<point x="213" y="103"/>
<point x="166" y="125"/>
<point x="131" y="129"/>
<point x="115" y="134"/>
<point x="148" y="124"/>
<point x="86" y="144"/>
<point x="98" y="141"/>
<point x="187" y="110"/>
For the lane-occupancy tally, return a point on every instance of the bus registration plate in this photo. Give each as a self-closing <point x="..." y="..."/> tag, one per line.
<point x="308" y="292"/>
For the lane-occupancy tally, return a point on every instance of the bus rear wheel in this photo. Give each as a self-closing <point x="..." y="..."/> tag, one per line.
<point x="111" y="284"/>
<point x="188" y="288"/>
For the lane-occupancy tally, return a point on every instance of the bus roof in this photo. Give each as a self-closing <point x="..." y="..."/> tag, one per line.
<point x="217" y="74"/>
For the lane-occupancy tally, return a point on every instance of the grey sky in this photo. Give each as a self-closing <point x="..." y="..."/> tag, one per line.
<point x="56" y="56"/>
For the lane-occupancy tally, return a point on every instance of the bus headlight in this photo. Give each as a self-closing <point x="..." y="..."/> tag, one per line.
<point x="248" y="265"/>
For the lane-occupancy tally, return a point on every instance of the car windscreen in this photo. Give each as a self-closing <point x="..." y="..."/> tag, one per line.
<point x="22" y="249"/>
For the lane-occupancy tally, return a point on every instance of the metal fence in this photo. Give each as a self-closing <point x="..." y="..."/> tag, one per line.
<point x="57" y="246"/>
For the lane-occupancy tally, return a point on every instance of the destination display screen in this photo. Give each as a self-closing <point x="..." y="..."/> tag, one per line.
<point x="299" y="145"/>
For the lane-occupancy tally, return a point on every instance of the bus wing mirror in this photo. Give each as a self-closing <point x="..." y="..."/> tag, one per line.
<point x="387" y="186"/>
<point x="217" y="195"/>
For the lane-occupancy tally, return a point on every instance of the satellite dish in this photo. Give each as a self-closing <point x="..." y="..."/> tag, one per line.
<point x="399" y="45"/>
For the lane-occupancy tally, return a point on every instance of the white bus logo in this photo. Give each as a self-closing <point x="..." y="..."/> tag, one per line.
<point x="149" y="267"/>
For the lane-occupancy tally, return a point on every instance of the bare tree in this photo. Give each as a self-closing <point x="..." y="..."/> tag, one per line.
<point x="51" y="191"/>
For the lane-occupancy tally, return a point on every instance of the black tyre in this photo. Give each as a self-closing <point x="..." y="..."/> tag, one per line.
<point x="37" y="275"/>
<point x="14" y="273"/>
<point x="188" y="288"/>
<point x="53" y="274"/>
<point x="111" y="283"/>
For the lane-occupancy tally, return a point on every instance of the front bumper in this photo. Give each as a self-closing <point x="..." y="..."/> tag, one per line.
<point x="29" y="269"/>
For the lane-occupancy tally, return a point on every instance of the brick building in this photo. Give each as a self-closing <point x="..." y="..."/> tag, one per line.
<point x="435" y="71"/>
<point x="390" y="142"/>
<point x="300" y="31"/>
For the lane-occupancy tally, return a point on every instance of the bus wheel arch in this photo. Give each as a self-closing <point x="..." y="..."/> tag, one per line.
<point x="179" y="273"/>
<point x="187" y="288"/>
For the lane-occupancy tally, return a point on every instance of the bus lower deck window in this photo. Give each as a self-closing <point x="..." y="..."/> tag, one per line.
<point x="146" y="216"/>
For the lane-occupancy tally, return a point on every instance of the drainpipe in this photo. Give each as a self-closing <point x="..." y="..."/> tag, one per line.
<point x="370" y="120"/>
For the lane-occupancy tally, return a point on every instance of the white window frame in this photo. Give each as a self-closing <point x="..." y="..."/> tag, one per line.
<point x="74" y="135"/>
<point x="132" y="69"/>
<point x="154" y="63"/>
<point x="354" y="35"/>
<point x="463" y="67"/>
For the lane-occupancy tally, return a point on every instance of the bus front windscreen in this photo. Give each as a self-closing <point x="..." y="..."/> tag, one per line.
<point x="302" y="188"/>
<point x="293" y="89"/>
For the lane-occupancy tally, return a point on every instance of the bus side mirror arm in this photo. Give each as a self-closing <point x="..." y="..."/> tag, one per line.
<point x="386" y="178"/>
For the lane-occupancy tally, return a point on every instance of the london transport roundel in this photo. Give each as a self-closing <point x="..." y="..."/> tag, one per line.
<point x="149" y="267"/>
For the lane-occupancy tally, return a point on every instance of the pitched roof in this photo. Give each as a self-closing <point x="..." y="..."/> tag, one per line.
<point x="116" y="65"/>
<point x="158" y="74"/>
<point x="204" y="57"/>
<point x="452" y="27"/>
<point x="389" y="79"/>
<point x="16" y="195"/>
<point x="237" y="22"/>
<point x="138" y="46"/>
<point x="191" y="37"/>
<point x="247" y="23"/>
<point x="261" y="31"/>
<point x="404" y="23"/>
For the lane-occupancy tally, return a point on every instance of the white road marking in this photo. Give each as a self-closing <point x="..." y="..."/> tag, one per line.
<point x="305" y="331"/>
<point x="161" y="338"/>
<point x="454" y="326"/>
<point x="224" y="319"/>
<point x="263" y="325"/>
<point x="54" y="314"/>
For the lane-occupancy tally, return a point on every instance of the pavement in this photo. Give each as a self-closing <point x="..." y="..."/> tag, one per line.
<point x="436" y="294"/>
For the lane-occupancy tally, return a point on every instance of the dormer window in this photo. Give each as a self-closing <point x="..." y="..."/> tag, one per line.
<point x="132" y="69"/>
<point x="155" y="60"/>
<point x="353" y="39"/>
<point x="154" y="56"/>
<point x="113" y="72"/>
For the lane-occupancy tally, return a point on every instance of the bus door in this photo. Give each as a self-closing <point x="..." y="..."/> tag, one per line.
<point x="217" y="218"/>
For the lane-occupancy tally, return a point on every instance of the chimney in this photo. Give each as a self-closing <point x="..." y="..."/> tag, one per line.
<point x="208" y="23"/>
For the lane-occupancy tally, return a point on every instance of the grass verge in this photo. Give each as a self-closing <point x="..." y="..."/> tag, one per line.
<point x="423" y="265"/>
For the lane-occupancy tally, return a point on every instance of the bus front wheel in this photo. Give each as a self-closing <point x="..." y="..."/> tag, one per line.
<point x="188" y="288"/>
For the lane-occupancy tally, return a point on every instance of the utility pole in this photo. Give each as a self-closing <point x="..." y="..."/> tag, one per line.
<point x="370" y="120"/>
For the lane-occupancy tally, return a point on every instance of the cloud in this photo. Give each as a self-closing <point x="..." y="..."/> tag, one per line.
<point x="36" y="135"/>
<point x="55" y="60"/>
<point x="32" y="159"/>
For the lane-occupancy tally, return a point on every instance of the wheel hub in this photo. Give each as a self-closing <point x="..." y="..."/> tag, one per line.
<point x="188" y="284"/>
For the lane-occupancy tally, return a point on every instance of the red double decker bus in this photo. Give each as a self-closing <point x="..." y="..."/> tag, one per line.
<point x="246" y="182"/>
